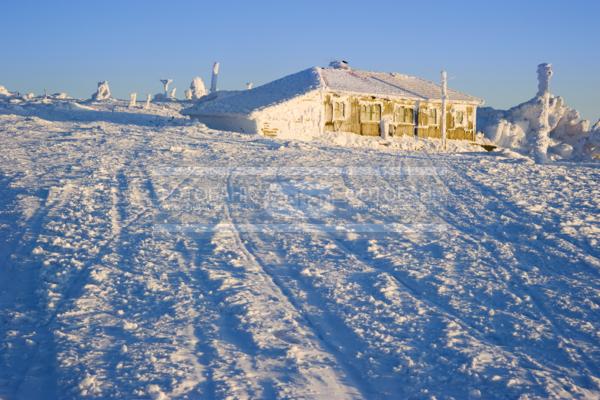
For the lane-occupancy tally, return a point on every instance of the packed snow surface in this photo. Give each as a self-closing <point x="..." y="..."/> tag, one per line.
<point x="142" y="256"/>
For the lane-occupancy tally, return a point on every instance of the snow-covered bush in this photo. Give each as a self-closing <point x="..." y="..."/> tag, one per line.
<point x="103" y="91"/>
<point x="197" y="87"/>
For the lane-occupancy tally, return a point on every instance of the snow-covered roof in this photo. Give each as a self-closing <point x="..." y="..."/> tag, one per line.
<point x="387" y="84"/>
<point x="381" y="84"/>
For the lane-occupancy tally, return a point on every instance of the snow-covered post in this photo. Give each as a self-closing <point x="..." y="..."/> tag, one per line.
<point x="172" y="93"/>
<point x="444" y="101"/>
<point x="384" y="127"/>
<point x="215" y="75"/>
<point x="148" y="100"/>
<point x="166" y="83"/>
<point x="544" y="73"/>
<point x="132" y="99"/>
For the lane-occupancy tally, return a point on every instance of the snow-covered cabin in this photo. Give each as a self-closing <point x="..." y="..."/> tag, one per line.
<point x="339" y="98"/>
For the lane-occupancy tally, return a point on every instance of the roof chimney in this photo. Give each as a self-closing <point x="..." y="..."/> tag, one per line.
<point x="339" y="64"/>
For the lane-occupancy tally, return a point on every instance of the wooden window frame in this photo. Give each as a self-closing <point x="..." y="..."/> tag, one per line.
<point x="370" y="113"/>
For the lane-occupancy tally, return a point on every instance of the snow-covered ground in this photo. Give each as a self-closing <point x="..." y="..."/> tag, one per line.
<point x="142" y="256"/>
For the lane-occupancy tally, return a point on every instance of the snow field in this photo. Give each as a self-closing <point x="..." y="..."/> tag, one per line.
<point x="485" y="282"/>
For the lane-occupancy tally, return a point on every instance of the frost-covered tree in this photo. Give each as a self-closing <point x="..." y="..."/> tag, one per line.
<point x="103" y="91"/>
<point x="188" y="94"/>
<point x="197" y="87"/>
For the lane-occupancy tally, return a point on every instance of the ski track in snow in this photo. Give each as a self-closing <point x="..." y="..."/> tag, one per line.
<point x="110" y="287"/>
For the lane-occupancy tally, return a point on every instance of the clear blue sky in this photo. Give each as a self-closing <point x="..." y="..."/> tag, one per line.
<point x="490" y="48"/>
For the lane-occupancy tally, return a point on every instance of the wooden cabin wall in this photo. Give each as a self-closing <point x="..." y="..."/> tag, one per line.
<point x="352" y="121"/>
<point x="422" y="124"/>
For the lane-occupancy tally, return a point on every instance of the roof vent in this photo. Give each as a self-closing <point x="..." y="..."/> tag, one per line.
<point x="339" y="64"/>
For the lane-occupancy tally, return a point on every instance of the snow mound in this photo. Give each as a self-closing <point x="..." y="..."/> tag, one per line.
<point x="403" y="143"/>
<point x="543" y="127"/>
<point x="568" y="137"/>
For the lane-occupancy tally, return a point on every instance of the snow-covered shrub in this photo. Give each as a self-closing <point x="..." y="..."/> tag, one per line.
<point x="103" y="91"/>
<point x="197" y="87"/>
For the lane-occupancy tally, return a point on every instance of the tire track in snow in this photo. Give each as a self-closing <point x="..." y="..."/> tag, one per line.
<point x="38" y="375"/>
<point x="286" y="294"/>
<point x="450" y="220"/>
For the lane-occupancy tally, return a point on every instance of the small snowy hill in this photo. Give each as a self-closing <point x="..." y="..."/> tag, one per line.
<point x="143" y="256"/>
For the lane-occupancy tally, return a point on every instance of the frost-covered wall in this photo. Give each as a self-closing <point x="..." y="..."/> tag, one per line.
<point x="232" y="123"/>
<point x="363" y="115"/>
<point x="296" y="117"/>
<point x="543" y="127"/>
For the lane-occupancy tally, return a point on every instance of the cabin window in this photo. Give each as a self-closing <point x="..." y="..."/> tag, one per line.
<point x="460" y="118"/>
<point x="409" y="115"/>
<point x="433" y="119"/>
<point x="339" y="110"/>
<point x="370" y="113"/>
<point x="403" y="115"/>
